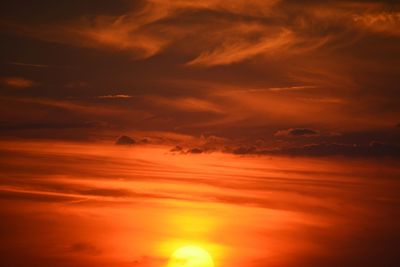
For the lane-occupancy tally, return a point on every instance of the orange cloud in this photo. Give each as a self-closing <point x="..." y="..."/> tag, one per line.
<point x="154" y="27"/>
<point x="122" y="34"/>
<point x="17" y="82"/>
<point x="383" y="22"/>
<point x="187" y="103"/>
<point x="105" y="32"/>
<point x="114" y="96"/>
<point x="302" y="59"/>
<point x="239" y="50"/>
<point x="250" y="7"/>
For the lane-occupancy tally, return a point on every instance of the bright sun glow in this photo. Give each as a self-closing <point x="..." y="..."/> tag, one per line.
<point x="191" y="256"/>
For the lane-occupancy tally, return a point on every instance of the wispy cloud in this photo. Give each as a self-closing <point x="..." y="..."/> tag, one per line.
<point x="114" y="96"/>
<point x="29" y="65"/>
<point x="387" y="23"/>
<point x="186" y="103"/>
<point x="279" y="89"/>
<point x="292" y="88"/>
<point x="268" y="79"/>
<point x="239" y="50"/>
<point x="237" y="31"/>
<point x="17" y="82"/>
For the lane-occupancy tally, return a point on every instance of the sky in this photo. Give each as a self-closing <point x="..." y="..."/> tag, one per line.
<point x="117" y="116"/>
<point x="88" y="204"/>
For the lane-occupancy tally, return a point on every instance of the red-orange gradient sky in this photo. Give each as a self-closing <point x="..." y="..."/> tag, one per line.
<point x="266" y="132"/>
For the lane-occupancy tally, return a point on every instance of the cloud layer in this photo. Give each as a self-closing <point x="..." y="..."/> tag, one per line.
<point x="245" y="71"/>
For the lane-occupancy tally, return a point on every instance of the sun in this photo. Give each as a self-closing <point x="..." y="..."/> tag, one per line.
<point x="190" y="256"/>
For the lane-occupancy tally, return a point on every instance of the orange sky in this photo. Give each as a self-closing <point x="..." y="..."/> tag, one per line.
<point x="265" y="131"/>
<point x="104" y="205"/>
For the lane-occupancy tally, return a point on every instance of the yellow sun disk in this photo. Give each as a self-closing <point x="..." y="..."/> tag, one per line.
<point x="190" y="256"/>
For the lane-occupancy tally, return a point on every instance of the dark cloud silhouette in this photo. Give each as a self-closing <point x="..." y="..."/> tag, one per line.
<point x="296" y="132"/>
<point x="243" y="150"/>
<point x="178" y="149"/>
<point x="374" y="149"/>
<point x="195" y="150"/>
<point x="357" y="144"/>
<point x="145" y="140"/>
<point x="125" y="140"/>
<point x="85" y="248"/>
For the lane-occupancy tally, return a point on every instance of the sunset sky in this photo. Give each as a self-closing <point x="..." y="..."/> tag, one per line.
<point x="255" y="133"/>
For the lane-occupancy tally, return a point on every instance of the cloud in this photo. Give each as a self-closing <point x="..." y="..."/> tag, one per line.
<point x="288" y="85"/>
<point x="291" y="88"/>
<point x="299" y="147"/>
<point x="111" y="32"/>
<point x="114" y="96"/>
<point x="31" y="195"/>
<point x="84" y="248"/>
<point x="195" y="150"/>
<point x="374" y="149"/>
<point x="73" y="106"/>
<point x="213" y="32"/>
<point x="29" y="65"/>
<point x="387" y="23"/>
<point x="9" y="126"/>
<point x="177" y="149"/>
<point x="186" y="103"/>
<point x="278" y="89"/>
<point x="250" y="7"/>
<point x="239" y="50"/>
<point x="119" y="33"/>
<point x="105" y="192"/>
<point x="17" y="82"/>
<point x="125" y="140"/>
<point x="297" y="132"/>
<point x="244" y="150"/>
